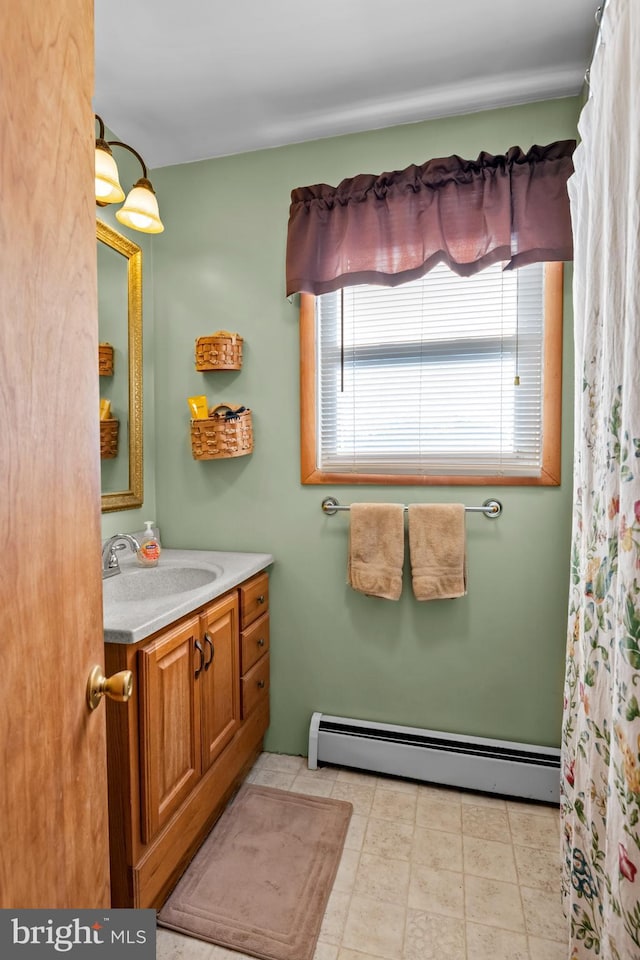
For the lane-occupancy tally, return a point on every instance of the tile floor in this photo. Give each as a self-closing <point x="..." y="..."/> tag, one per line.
<point x="427" y="873"/>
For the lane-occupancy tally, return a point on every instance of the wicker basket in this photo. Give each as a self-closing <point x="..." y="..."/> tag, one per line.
<point x="220" y="351"/>
<point x="105" y="359"/>
<point x="109" y="439"/>
<point x="218" y="438"/>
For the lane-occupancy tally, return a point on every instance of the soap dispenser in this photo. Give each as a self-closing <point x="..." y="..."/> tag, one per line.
<point x="149" y="551"/>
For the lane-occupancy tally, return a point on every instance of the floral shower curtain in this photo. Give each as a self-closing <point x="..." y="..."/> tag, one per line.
<point x="601" y="729"/>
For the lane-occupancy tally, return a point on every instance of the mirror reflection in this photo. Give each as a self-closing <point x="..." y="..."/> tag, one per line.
<point x="120" y="334"/>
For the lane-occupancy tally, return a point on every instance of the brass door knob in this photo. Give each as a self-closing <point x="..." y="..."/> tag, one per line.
<point x="118" y="687"/>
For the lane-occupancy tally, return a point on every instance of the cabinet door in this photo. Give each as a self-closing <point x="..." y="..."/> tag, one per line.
<point x="219" y="682"/>
<point x="169" y="720"/>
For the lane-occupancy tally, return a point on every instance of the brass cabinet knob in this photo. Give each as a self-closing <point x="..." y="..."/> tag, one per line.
<point x="260" y="684"/>
<point x="118" y="687"/>
<point x="261" y="598"/>
<point x="261" y="642"/>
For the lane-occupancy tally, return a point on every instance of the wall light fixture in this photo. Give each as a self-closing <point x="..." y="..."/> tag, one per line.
<point x="140" y="209"/>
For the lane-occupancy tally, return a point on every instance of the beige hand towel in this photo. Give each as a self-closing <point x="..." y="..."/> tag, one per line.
<point x="438" y="550"/>
<point x="376" y="549"/>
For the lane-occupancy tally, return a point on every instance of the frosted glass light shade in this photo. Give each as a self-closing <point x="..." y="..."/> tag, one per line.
<point x="108" y="189"/>
<point x="140" y="210"/>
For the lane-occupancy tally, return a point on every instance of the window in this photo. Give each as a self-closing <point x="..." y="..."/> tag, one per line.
<point x="414" y="384"/>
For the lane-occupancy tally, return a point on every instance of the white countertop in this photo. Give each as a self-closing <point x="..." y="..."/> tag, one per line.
<point x="132" y="620"/>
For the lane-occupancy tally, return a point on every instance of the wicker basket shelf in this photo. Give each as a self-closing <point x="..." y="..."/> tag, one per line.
<point x="220" y="351"/>
<point x="224" y="434"/>
<point x="105" y="359"/>
<point x="109" y="438"/>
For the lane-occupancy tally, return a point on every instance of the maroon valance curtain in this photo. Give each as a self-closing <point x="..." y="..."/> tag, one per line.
<point x="394" y="227"/>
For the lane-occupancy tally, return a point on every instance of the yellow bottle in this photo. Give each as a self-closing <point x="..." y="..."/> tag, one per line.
<point x="198" y="407"/>
<point x="149" y="552"/>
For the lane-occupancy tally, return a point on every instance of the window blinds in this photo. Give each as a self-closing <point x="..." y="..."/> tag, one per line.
<point x="418" y="379"/>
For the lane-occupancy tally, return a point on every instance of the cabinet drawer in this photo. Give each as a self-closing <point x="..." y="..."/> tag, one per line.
<point x="254" y="599"/>
<point x="255" y="685"/>
<point x="255" y="642"/>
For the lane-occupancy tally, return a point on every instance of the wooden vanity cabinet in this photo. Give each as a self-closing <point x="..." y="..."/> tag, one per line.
<point x="186" y="739"/>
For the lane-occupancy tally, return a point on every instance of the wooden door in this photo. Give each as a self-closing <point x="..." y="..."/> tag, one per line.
<point x="219" y="682"/>
<point x="169" y="723"/>
<point x="53" y="787"/>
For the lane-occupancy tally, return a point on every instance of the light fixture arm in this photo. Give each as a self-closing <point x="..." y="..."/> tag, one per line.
<point x="118" y="143"/>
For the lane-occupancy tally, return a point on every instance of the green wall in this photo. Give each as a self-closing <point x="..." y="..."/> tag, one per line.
<point x="490" y="664"/>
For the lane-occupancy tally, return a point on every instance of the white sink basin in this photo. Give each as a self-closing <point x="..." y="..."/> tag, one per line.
<point x="137" y="584"/>
<point x="141" y="600"/>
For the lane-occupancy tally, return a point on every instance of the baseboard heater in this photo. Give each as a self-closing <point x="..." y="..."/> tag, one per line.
<point x="472" y="763"/>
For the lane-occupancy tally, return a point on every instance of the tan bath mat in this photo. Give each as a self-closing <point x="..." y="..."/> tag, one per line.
<point x="261" y="880"/>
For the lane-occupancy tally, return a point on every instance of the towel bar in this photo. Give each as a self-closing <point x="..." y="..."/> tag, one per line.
<point x="491" y="508"/>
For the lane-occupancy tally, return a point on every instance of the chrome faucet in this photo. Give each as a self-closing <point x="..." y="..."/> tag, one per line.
<point x="119" y="541"/>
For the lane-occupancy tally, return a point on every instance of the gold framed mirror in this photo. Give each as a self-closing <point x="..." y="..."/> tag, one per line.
<point x="120" y="325"/>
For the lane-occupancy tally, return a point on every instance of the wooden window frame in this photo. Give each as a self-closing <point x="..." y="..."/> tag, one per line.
<point x="551" y="410"/>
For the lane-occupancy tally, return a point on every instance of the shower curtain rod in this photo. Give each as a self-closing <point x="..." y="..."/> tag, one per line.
<point x="491" y="508"/>
<point x="598" y="15"/>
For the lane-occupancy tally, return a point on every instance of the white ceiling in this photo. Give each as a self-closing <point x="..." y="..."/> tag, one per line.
<point x="185" y="80"/>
